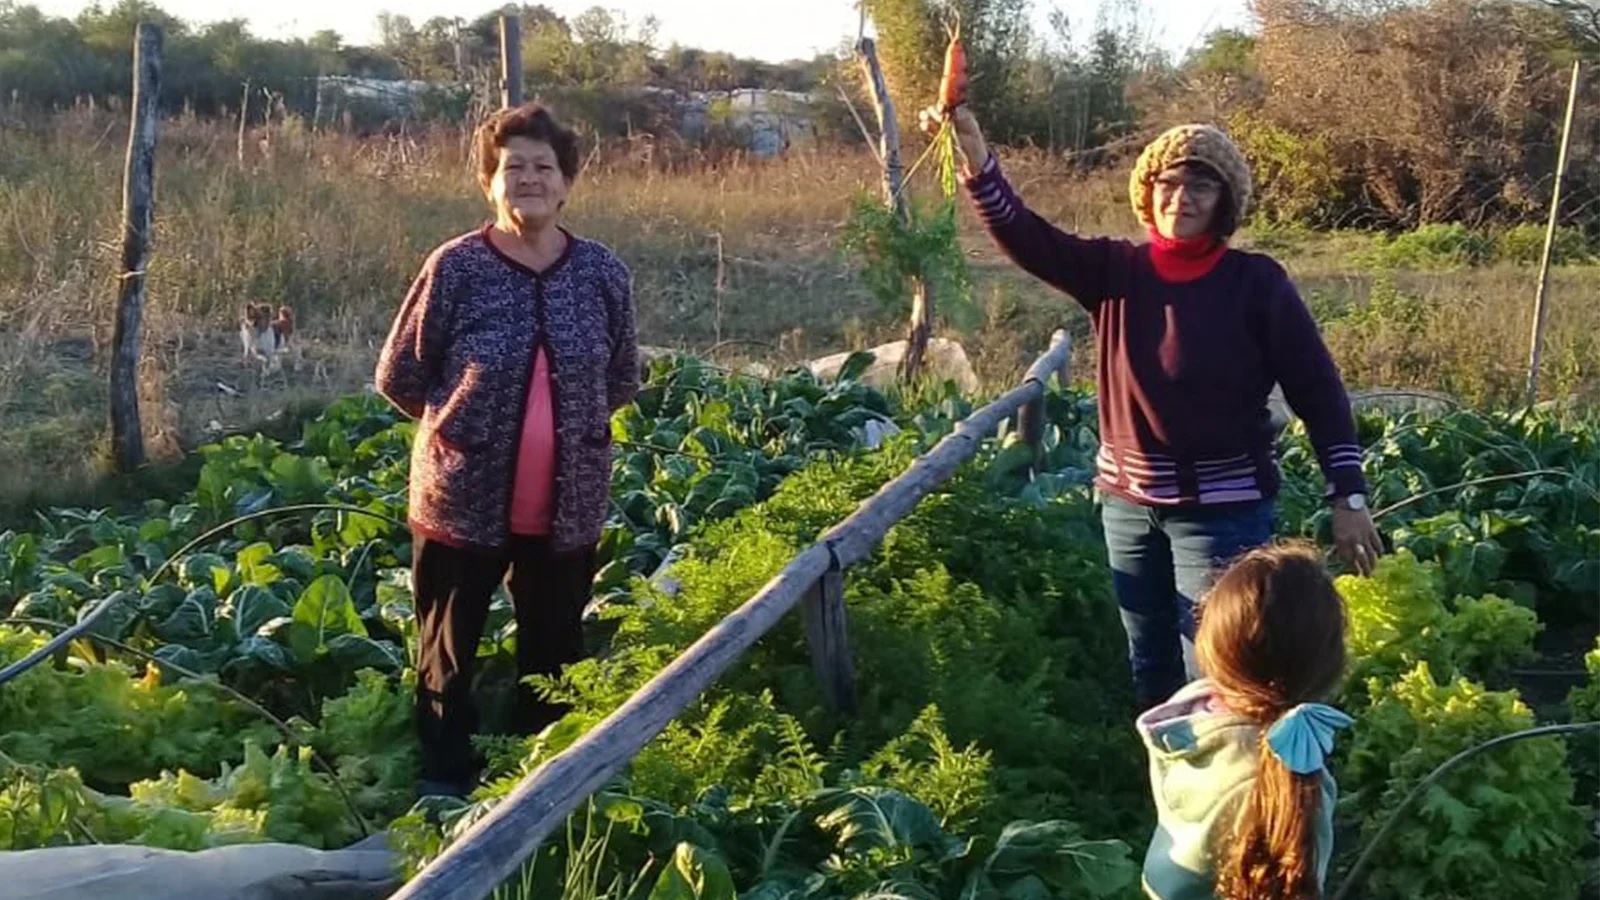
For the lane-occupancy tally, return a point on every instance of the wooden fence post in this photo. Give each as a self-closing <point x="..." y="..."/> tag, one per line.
<point x="138" y="195"/>
<point x="824" y="612"/>
<point x="244" y="119"/>
<point x="1541" y="309"/>
<point x="1030" y="418"/>
<point x="510" y="60"/>
<point x="919" y="329"/>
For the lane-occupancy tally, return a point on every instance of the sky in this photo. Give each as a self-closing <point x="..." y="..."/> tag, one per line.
<point x="774" y="30"/>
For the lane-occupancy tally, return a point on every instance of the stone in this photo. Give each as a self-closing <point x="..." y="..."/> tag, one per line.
<point x="945" y="360"/>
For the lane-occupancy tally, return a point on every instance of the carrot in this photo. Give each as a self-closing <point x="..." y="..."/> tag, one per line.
<point x="953" y="85"/>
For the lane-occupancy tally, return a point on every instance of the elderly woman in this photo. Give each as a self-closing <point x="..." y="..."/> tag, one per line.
<point x="1192" y="336"/>
<point x="513" y="347"/>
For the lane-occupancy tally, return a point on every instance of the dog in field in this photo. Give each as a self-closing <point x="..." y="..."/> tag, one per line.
<point x="267" y="340"/>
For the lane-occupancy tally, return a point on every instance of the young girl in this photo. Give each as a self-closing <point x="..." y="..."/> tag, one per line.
<point x="1237" y="758"/>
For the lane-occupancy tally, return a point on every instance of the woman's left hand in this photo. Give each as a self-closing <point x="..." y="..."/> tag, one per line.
<point x="1356" y="539"/>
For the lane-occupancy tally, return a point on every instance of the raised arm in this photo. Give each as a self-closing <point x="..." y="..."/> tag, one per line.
<point x="1077" y="266"/>
<point x="409" y="360"/>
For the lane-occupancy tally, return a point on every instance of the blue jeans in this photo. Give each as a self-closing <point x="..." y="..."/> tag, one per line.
<point x="1163" y="560"/>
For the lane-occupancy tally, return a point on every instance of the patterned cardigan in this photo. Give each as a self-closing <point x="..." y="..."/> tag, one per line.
<point x="458" y="359"/>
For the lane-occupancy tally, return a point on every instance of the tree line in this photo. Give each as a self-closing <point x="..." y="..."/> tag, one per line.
<point x="1388" y="113"/>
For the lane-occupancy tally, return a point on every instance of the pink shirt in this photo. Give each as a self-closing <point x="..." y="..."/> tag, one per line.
<point x="533" y="494"/>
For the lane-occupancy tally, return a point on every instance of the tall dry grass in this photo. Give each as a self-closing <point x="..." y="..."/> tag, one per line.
<point x="336" y="226"/>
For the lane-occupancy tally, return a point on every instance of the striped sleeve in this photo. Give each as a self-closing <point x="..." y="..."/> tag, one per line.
<point x="1314" y="388"/>
<point x="1079" y="267"/>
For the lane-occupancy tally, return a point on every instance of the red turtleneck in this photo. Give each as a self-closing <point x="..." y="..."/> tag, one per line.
<point x="1184" y="259"/>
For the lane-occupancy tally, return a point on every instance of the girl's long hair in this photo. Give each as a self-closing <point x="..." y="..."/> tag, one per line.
<point x="1271" y="636"/>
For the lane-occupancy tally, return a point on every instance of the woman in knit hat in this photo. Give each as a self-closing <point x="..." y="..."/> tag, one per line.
<point x="1192" y="336"/>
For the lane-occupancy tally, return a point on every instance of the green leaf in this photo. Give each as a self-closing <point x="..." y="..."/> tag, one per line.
<point x="206" y="569"/>
<point x="191" y="622"/>
<point x="861" y="820"/>
<point x="263" y="651"/>
<point x="255" y="567"/>
<point x="694" y="874"/>
<point x="354" y="652"/>
<point x="295" y="562"/>
<point x="251" y="607"/>
<point x="155" y="531"/>
<point x="122" y="610"/>
<point x="300" y="479"/>
<point x="324" y="611"/>
<point x="356" y="528"/>
<point x="160" y="601"/>
<point x="107" y="556"/>
<point x="1057" y="852"/>
<point x="190" y="658"/>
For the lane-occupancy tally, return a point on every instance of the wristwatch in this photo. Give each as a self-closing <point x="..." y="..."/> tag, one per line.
<point x="1352" y="501"/>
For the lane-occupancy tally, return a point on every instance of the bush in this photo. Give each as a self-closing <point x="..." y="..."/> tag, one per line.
<point x="1297" y="179"/>
<point x="1436" y="246"/>
<point x="1524" y="245"/>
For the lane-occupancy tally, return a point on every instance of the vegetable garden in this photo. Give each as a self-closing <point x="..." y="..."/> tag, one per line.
<point x="256" y="685"/>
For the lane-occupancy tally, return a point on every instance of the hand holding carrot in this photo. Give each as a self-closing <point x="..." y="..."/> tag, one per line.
<point x="952" y="106"/>
<point x="969" y="137"/>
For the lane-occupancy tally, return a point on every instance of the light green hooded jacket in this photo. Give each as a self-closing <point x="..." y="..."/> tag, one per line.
<point x="1202" y="765"/>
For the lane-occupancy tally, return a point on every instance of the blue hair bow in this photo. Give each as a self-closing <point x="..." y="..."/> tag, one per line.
<point x="1303" y="737"/>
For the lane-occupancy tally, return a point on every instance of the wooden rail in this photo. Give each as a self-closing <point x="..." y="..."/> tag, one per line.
<point x="498" y="844"/>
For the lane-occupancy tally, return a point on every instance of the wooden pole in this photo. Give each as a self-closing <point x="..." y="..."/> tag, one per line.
<point x="138" y="195"/>
<point x="829" y="639"/>
<point x="1030" y="419"/>
<point x="1541" y="309"/>
<point x="888" y="126"/>
<point x="244" y="117"/>
<point x="919" y="329"/>
<point x="510" y="60"/>
<point x="497" y="844"/>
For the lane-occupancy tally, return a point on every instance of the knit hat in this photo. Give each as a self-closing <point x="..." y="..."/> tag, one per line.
<point x="1204" y="144"/>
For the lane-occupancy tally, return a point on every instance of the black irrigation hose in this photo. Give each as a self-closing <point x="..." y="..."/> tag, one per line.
<point x="1492" y="479"/>
<point x="282" y="726"/>
<point x="72" y="633"/>
<point x="1353" y="877"/>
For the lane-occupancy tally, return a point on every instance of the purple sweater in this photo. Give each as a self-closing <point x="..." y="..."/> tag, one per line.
<point x="1185" y="368"/>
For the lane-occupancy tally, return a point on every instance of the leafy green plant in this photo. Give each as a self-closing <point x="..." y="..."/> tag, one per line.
<point x="1436" y="246"/>
<point x="112" y="723"/>
<point x="371" y="732"/>
<point x="1524" y="246"/>
<point x="893" y="251"/>
<point x="1398" y="619"/>
<point x="1501" y="825"/>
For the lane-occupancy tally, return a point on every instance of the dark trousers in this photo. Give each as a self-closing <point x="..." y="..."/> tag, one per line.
<point x="453" y="589"/>
<point x="1162" y="563"/>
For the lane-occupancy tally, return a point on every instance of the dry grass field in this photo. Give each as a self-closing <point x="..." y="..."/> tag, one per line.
<point x="335" y="226"/>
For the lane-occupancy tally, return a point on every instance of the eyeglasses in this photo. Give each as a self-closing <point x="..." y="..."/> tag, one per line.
<point x="1200" y="188"/>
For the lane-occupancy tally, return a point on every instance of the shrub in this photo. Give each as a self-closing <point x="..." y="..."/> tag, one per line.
<point x="1297" y="180"/>
<point x="1436" y="246"/>
<point x="1524" y="246"/>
